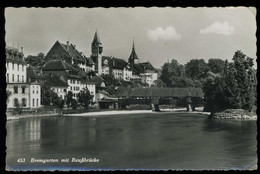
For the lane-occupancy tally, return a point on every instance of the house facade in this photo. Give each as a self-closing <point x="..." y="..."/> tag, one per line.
<point x="22" y="92"/>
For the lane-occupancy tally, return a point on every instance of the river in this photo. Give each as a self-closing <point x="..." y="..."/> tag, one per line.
<point x="138" y="141"/>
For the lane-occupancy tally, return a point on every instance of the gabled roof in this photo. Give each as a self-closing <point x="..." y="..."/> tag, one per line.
<point x="57" y="65"/>
<point x="118" y="63"/>
<point x="73" y="52"/>
<point x="55" y="81"/>
<point x="65" y="51"/>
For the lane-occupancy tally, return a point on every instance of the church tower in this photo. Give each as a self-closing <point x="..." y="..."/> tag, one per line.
<point x="133" y="59"/>
<point x="96" y="53"/>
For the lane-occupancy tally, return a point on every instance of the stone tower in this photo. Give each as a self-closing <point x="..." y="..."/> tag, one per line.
<point x="96" y="53"/>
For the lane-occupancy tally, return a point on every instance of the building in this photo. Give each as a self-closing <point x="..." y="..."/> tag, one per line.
<point x="77" y="80"/>
<point x="58" y="85"/>
<point x="71" y="55"/>
<point x="144" y="72"/>
<point x="23" y="93"/>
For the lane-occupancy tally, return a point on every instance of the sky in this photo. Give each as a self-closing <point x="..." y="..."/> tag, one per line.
<point x="159" y="34"/>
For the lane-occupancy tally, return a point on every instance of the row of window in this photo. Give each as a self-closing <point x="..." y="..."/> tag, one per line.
<point x="16" y="89"/>
<point x="18" y="66"/>
<point x="75" y="88"/>
<point x="58" y="90"/>
<point x="24" y="103"/>
<point x="74" y="81"/>
<point x="19" y="78"/>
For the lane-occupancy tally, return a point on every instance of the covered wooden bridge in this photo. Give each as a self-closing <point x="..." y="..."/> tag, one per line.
<point x="156" y="96"/>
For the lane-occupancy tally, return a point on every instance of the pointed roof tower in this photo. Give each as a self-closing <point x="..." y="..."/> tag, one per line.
<point x="96" y="38"/>
<point x="133" y="56"/>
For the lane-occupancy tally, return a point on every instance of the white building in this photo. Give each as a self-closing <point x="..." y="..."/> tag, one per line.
<point x="35" y="95"/>
<point x="19" y="90"/>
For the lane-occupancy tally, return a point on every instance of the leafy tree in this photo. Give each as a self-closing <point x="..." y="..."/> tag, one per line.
<point x="69" y="98"/>
<point x="170" y="71"/>
<point x="246" y="81"/>
<point x="159" y="83"/>
<point x="48" y="96"/>
<point x="216" y="65"/>
<point x="35" y="60"/>
<point x="196" y="69"/>
<point x="110" y="80"/>
<point x="236" y="89"/>
<point x="84" y="97"/>
<point x="74" y="104"/>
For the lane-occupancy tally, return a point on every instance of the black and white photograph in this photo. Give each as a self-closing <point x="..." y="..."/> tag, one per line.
<point x="160" y="88"/>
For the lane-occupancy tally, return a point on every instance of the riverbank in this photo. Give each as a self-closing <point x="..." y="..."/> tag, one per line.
<point x="17" y="117"/>
<point x="123" y="112"/>
<point x="238" y="114"/>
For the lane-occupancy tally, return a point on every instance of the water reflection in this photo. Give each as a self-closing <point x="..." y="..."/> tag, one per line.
<point x="162" y="141"/>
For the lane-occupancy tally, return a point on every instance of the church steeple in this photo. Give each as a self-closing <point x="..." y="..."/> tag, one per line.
<point x="96" y="38"/>
<point x="133" y="48"/>
<point x="133" y="58"/>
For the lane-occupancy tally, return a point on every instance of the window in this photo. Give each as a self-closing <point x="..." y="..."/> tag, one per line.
<point x="13" y="66"/>
<point x="7" y="65"/>
<point x="65" y="90"/>
<point x="22" y="67"/>
<point x="16" y="89"/>
<point x="24" y="102"/>
<point x="22" y="78"/>
<point x="15" y="102"/>
<point x="33" y="102"/>
<point x="12" y="77"/>
<point x="37" y="102"/>
<point x="23" y="89"/>
<point x="37" y="90"/>
<point x="17" y="78"/>
<point x="71" y="88"/>
<point x="74" y="88"/>
<point x="7" y="77"/>
<point x="17" y="67"/>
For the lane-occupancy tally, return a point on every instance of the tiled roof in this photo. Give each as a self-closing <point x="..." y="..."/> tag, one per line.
<point x="159" y="92"/>
<point x="118" y="63"/>
<point x="33" y="72"/>
<point x="58" y="65"/>
<point x="54" y="80"/>
<point x="73" y="52"/>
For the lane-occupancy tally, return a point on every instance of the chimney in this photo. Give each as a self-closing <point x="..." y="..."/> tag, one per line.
<point x="68" y="44"/>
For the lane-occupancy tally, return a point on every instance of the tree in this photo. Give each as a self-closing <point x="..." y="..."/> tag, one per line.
<point x="74" y="104"/>
<point x="216" y="65"/>
<point x="159" y="83"/>
<point x="48" y="96"/>
<point x="35" y="60"/>
<point x="84" y="97"/>
<point x="170" y="71"/>
<point x="236" y="89"/>
<point x="69" y="98"/>
<point x="246" y="81"/>
<point x="196" y="69"/>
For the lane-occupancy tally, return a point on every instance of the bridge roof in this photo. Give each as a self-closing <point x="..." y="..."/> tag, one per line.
<point x="159" y="92"/>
